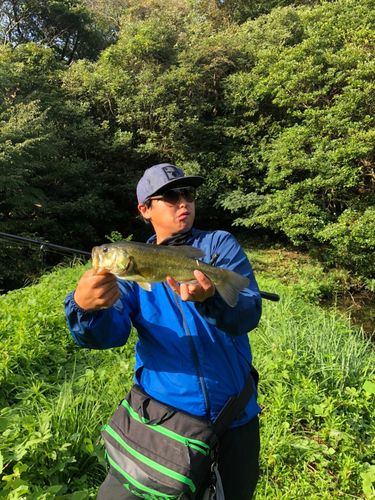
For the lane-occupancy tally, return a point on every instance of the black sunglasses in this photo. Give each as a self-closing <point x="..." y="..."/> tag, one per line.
<point x="173" y="195"/>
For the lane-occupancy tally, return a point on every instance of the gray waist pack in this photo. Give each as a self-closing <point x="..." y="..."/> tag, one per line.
<point x="159" y="452"/>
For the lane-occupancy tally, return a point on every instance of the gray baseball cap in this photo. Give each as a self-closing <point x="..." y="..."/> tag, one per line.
<point x="162" y="177"/>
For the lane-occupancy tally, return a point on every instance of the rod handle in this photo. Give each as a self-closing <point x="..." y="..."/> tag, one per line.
<point x="270" y="296"/>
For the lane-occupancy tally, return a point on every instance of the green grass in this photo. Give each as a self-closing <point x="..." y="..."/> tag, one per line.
<point x="300" y="272"/>
<point x="317" y="393"/>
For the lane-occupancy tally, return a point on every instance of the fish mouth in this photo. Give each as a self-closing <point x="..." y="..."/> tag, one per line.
<point x="108" y="263"/>
<point x="95" y="257"/>
<point x="97" y="266"/>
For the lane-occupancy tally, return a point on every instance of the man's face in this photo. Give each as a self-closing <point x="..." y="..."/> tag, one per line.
<point x="169" y="219"/>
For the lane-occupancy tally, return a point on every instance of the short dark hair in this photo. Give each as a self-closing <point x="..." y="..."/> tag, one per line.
<point x="147" y="203"/>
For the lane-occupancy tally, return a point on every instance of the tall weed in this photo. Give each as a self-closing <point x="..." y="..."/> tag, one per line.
<point x="317" y="398"/>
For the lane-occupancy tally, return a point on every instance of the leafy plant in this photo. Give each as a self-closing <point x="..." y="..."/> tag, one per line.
<point x="54" y="396"/>
<point x="117" y="236"/>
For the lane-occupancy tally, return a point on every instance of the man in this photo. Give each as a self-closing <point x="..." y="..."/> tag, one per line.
<point x="197" y="378"/>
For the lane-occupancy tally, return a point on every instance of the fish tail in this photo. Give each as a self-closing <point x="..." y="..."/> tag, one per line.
<point x="230" y="285"/>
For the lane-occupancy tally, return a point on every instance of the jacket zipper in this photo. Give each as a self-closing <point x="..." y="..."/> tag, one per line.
<point x="207" y="403"/>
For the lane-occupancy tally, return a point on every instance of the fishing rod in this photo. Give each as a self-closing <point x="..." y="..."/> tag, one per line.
<point x="274" y="297"/>
<point x="44" y="244"/>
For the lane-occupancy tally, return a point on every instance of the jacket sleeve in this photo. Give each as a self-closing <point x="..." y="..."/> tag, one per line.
<point x="245" y="316"/>
<point x="105" y="328"/>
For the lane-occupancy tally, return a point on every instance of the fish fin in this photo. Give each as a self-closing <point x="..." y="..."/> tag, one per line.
<point x="191" y="252"/>
<point x="230" y="285"/>
<point x="189" y="282"/>
<point x="146" y="286"/>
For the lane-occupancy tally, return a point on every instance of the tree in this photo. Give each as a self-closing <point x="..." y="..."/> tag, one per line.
<point x="160" y="89"/>
<point x="315" y="149"/>
<point x="48" y="189"/>
<point x="70" y="28"/>
<point x="223" y="13"/>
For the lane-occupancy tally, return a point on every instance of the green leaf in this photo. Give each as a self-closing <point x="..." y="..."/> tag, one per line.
<point x="79" y="495"/>
<point x="369" y="387"/>
<point x="54" y="489"/>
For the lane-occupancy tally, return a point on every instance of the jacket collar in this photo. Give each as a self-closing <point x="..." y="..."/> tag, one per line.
<point x="176" y="240"/>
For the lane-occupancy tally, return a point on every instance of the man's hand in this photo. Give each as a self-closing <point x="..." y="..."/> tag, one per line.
<point x="193" y="293"/>
<point x="97" y="292"/>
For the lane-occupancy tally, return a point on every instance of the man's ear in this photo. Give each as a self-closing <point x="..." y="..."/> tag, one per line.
<point x="144" y="211"/>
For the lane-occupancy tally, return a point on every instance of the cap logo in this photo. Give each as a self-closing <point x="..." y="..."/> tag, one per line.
<point x="171" y="172"/>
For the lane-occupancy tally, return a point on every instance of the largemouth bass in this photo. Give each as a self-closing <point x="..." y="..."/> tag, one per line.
<point x="146" y="264"/>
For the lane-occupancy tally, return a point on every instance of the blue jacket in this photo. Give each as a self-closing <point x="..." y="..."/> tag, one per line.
<point x="195" y="367"/>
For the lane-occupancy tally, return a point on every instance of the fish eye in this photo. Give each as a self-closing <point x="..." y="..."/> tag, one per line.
<point x="105" y="249"/>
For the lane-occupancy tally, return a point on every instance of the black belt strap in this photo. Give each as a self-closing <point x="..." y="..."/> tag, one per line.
<point x="235" y="405"/>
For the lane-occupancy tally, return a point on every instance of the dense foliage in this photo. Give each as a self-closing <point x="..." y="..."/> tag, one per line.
<point x="72" y="29"/>
<point x="317" y="390"/>
<point x="272" y="102"/>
